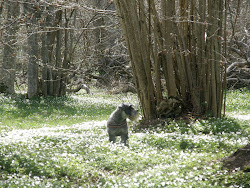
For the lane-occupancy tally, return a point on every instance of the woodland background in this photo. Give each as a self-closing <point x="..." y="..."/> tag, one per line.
<point x="53" y="47"/>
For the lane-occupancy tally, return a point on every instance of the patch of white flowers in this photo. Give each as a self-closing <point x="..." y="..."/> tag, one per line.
<point x="81" y="156"/>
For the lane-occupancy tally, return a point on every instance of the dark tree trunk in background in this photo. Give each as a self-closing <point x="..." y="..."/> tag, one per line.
<point x="33" y="48"/>
<point x="47" y="51"/>
<point x="45" y="59"/>
<point x="55" y="61"/>
<point x="58" y="62"/>
<point x="67" y="51"/>
<point x="8" y="69"/>
<point x="33" y="66"/>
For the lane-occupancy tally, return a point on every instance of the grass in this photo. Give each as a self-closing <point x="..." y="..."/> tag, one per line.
<point x="238" y="101"/>
<point x="62" y="142"/>
<point x="19" y="112"/>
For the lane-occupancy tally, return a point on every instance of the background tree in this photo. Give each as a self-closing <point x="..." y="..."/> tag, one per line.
<point x="60" y="44"/>
<point x="32" y="15"/>
<point x="10" y="13"/>
<point x="175" y="47"/>
<point x="181" y="39"/>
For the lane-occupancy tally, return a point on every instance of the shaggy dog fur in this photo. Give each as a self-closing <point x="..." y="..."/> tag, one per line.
<point x="117" y="122"/>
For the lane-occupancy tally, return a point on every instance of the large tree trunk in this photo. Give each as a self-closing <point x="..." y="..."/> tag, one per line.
<point x="45" y="59"/>
<point x="67" y="57"/>
<point x="33" y="63"/>
<point x="136" y="38"/>
<point x="214" y="57"/>
<point x="51" y="21"/>
<point x="8" y="69"/>
<point x="58" y="63"/>
<point x="54" y="78"/>
<point x="33" y="49"/>
<point x="179" y="50"/>
<point x="168" y="11"/>
<point x="33" y="66"/>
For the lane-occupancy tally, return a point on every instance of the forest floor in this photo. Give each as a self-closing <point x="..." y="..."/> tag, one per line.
<point x="62" y="142"/>
<point x="241" y="117"/>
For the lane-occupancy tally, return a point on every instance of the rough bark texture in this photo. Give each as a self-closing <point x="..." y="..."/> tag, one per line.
<point x="8" y="69"/>
<point x="55" y="53"/>
<point x="136" y="39"/>
<point x="32" y="68"/>
<point x="175" y="52"/>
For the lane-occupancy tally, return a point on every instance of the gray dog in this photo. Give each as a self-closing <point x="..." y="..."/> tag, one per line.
<point x="117" y="122"/>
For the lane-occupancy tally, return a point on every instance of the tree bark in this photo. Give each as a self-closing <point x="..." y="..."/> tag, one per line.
<point x="45" y="59"/>
<point x="8" y="69"/>
<point x="58" y="64"/>
<point x="33" y="46"/>
<point x="33" y="65"/>
<point x="137" y="45"/>
<point x="51" y="52"/>
<point x="179" y="50"/>
<point x="168" y="11"/>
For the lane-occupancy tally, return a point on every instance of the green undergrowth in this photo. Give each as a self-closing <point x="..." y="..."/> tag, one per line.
<point x="67" y="146"/>
<point x="237" y="101"/>
<point x="19" y="112"/>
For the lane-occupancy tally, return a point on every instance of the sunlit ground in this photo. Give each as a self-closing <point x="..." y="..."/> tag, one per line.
<point x="78" y="154"/>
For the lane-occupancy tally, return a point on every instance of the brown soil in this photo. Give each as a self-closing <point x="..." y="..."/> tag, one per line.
<point x="239" y="159"/>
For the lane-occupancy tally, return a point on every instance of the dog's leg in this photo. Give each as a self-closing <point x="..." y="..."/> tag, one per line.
<point x="112" y="138"/>
<point x="124" y="139"/>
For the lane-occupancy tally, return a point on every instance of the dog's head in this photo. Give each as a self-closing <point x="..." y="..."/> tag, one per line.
<point x="129" y="111"/>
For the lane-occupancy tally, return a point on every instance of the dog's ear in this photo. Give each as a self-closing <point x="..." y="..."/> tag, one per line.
<point x="121" y="106"/>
